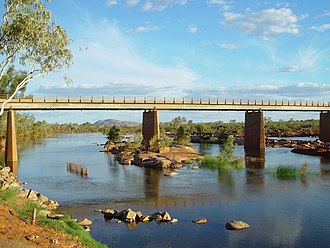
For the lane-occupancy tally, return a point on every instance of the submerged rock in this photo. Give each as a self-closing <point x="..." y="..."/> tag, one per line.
<point x="236" y="225"/>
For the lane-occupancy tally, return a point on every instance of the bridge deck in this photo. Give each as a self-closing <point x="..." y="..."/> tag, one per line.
<point x="162" y="104"/>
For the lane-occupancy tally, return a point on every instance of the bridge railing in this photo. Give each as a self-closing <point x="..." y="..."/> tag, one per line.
<point x="163" y="100"/>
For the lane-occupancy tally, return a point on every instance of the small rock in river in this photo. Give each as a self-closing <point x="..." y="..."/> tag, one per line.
<point x="85" y="222"/>
<point x="171" y="174"/>
<point x="195" y="167"/>
<point x="166" y="216"/>
<point x="236" y="225"/>
<point x="174" y="221"/>
<point x="200" y="221"/>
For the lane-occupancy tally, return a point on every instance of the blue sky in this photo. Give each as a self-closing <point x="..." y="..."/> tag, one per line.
<point x="192" y="48"/>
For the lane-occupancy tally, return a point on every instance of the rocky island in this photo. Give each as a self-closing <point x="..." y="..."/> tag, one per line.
<point x="172" y="157"/>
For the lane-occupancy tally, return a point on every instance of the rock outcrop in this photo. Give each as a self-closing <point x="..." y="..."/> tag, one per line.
<point x="9" y="181"/>
<point x="172" y="158"/>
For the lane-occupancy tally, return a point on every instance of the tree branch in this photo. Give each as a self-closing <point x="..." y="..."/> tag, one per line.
<point x="20" y="86"/>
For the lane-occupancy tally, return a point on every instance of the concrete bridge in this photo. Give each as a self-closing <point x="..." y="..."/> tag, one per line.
<point x="254" y="134"/>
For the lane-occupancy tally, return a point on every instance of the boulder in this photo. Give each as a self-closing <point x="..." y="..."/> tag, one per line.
<point x="195" y="167"/>
<point x="127" y="215"/>
<point x="157" y="216"/>
<point x="236" y="225"/>
<point x="171" y="174"/>
<point x="146" y="218"/>
<point x="166" y="217"/>
<point x="109" y="213"/>
<point x="85" y="222"/>
<point x="138" y="216"/>
<point x="174" y="221"/>
<point x="54" y="216"/>
<point x="200" y="221"/>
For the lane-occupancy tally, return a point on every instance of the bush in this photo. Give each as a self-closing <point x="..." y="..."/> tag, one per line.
<point x="225" y="159"/>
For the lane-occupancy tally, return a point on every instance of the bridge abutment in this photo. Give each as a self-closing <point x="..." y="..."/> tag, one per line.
<point x="254" y="132"/>
<point x="11" y="144"/>
<point x="150" y="126"/>
<point x="324" y="131"/>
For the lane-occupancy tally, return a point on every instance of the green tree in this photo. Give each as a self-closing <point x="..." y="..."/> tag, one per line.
<point x="10" y="81"/>
<point x="183" y="136"/>
<point x="114" y="134"/>
<point x="227" y="152"/>
<point x="31" y="38"/>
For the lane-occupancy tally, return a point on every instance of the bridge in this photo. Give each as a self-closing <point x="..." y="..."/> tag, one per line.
<point x="134" y="103"/>
<point x="254" y="133"/>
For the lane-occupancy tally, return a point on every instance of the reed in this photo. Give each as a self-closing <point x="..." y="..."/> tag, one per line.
<point x="286" y="172"/>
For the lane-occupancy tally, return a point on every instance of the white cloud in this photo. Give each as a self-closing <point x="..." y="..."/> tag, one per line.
<point x="111" y="60"/>
<point x="225" y="4"/>
<point x="325" y="13"/>
<point x="143" y="29"/>
<point x="265" y="25"/>
<point x="230" y="46"/>
<point x="321" y="28"/>
<point x="111" y="2"/>
<point x="216" y="2"/>
<point x="160" y="5"/>
<point x="132" y="3"/>
<point x="192" y="29"/>
<point x="294" y="68"/>
<point x="283" y="5"/>
<point x="301" y="91"/>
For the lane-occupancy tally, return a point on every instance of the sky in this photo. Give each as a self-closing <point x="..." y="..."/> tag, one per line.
<point x="226" y="49"/>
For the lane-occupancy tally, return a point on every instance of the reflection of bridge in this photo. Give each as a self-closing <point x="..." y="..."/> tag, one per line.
<point x="254" y="135"/>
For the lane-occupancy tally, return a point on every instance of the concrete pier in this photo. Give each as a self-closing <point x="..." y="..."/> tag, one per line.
<point x="150" y="126"/>
<point x="324" y="132"/>
<point x="254" y="133"/>
<point x="11" y="144"/>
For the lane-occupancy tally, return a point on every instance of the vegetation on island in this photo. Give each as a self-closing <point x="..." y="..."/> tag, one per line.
<point x="225" y="159"/>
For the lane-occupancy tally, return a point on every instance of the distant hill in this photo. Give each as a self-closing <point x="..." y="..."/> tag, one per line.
<point x="113" y="122"/>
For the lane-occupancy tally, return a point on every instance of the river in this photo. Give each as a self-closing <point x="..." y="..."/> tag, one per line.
<point x="282" y="213"/>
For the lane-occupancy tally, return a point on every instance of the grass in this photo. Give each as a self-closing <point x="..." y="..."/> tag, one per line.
<point x="291" y="172"/>
<point x="66" y="225"/>
<point x="214" y="163"/>
<point x="286" y="172"/>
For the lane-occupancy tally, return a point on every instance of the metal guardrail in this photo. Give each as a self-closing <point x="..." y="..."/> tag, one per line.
<point x="165" y="100"/>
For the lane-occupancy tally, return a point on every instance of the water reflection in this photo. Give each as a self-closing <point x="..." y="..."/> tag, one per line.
<point x="255" y="165"/>
<point x="325" y="168"/>
<point x="151" y="183"/>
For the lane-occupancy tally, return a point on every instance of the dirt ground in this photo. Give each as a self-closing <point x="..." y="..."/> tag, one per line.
<point x="17" y="233"/>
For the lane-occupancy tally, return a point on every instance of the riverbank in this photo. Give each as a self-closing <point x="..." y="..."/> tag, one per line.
<point x="28" y="219"/>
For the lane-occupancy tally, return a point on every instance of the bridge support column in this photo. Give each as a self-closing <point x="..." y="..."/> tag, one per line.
<point x="324" y="132"/>
<point x="150" y="126"/>
<point x="11" y="144"/>
<point x="254" y="133"/>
